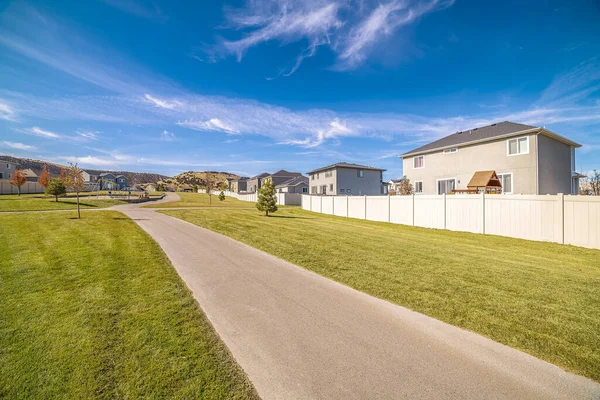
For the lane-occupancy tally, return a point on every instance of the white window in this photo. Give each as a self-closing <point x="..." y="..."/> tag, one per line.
<point x="342" y="190"/>
<point x="7" y="166"/>
<point x="518" y="146"/>
<point x="418" y="187"/>
<point x="451" y="151"/>
<point x="324" y="189"/>
<point x="418" y="162"/>
<point x="348" y="190"/>
<point x="360" y="173"/>
<point x="446" y="185"/>
<point x="506" y="179"/>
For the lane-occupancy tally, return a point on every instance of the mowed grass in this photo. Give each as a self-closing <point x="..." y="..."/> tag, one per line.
<point x="541" y="298"/>
<point x="39" y="202"/>
<point x="202" y="200"/>
<point x="92" y="308"/>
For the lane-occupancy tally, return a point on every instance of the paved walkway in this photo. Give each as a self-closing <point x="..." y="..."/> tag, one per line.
<point x="301" y="336"/>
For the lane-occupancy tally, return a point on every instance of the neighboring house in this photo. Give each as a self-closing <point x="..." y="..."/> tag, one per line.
<point x="527" y="160"/>
<point x="89" y="179"/>
<point x="280" y="176"/>
<point x="347" y="179"/>
<point x="299" y="184"/>
<point x="151" y="187"/>
<point x="239" y="185"/>
<point x="107" y="181"/>
<point x="122" y="182"/>
<point x="254" y="183"/>
<point x="393" y="185"/>
<point x="30" y="175"/>
<point x="7" y="169"/>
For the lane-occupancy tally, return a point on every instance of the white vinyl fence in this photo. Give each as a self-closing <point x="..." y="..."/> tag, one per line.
<point x="562" y="219"/>
<point x="28" y="187"/>
<point x="284" y="199"/>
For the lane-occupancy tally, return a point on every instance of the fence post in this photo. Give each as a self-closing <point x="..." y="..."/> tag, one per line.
<point x="561" y="198"/>
<point x="483" y="212"/>
<point x="347" y="206"/>
<point x="321" y="205"/>
<point x="365" y="206"/>
<point x="389" y="208"/>
<point x="332" y="205"/>
<point x="444" y="205"/>
<point x="413" y="209"/>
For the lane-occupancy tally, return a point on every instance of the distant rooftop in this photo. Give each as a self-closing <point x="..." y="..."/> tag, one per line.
<point x="345" y="165"/>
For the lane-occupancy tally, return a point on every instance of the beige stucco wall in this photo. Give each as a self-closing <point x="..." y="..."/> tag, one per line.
<point x="319" y="179"/>
<point x="6" y="171"/>
<point x="470" y="159"/>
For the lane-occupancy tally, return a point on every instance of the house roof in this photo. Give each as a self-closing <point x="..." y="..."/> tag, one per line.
<point x="295" y="181"/>
<point x="260" y="176"/>
<point x="484" y="179"/>
<point x="283" y="172"/>
<point x="106" y="173"/>
<point x="395" y="180"/>
<point x="243" y="178"/>
<point x="9" y="162"/>
<point x="121" y="176"/>
<point x="345" y="165"/>
<point x="484" y="134"/>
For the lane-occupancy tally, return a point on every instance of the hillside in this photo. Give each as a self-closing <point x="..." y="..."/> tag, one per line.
<point x="192" y="180"/>
<point x="54" y="169"/>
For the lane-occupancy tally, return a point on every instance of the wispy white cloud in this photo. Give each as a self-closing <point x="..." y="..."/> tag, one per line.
<point x="91" y="135"/>
<point x="213" y="124"/>
<point x="350" y="28"/>
<point x="6" y="112"/>
<point x="167" y="136"/>
<point x="36" y="130"/>
<point x="574" y="85"/>
<point x="19" y="146"/>
<point x="169" y="105"/>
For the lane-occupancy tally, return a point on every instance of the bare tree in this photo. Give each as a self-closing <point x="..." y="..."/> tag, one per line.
<point x="594" y="182"/>
<point x="74" y="180"/>
<point x="405" y="188"/>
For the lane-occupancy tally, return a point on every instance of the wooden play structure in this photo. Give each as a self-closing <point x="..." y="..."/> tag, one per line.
<point x="482" y="182"/>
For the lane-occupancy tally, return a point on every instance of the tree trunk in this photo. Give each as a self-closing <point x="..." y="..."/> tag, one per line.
<point x="267" y="213"/>
<point x="56" y="198"/>
<point x="18" y="190"/>
<point x="78" y="212"/>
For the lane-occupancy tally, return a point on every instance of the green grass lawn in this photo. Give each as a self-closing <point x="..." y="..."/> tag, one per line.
<point x="202" y="200"/>
<point x="542" y="298"/>
<point x="92" y="308"/>
<point x="39" y="202"/>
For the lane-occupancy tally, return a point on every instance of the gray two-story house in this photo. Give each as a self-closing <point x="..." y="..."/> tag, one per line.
<point x="527" y="160"/>
<point x="7" y="169"/>
<point x="347" y="179"/>
<point x="280" y="176"/>
<point x="254" y="183"/>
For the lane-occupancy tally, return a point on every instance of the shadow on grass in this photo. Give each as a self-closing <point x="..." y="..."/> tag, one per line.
<point x="287" y="216"/>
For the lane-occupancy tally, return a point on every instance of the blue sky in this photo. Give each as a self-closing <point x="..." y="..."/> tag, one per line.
<point x="257" y="86"/>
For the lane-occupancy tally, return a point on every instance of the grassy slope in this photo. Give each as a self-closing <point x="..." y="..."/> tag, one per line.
<point x="37" y="202"/>
<point x="202" y="200"/>
<point x="542" y="298"/>
<point x="92" y="308"/>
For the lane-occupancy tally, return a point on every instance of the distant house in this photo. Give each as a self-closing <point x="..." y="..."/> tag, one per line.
<point x="122" y="182"/>
<point x="299" y="184"/>
<point x="107" y="181"/>
<point x="239" y="185"/>
<point x="527" y="160"/>
<point x="30" y="175"/>
<point x="280" y="176"/>
<point x="254" y="183"/>
<point x="7" y="168"/>
<point x="393" y="185"/>
<point x="347" y="179"/>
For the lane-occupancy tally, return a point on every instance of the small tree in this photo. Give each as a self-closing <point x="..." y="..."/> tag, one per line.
<point x="56" y="188"/>
<point x="44" y="177"/>
<point x="222" y="196"/>
<point x="267" y="199"/>
<point x="405" y="188"/>
<point x="74" y="179"/>
<point x="594" y="182"/>
<point x="18" y="179"/>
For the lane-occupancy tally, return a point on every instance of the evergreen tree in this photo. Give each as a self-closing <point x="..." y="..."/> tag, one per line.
<point x="267" y="199"/>
<point x="56" y="188"/>
<point x="222" y="196"/>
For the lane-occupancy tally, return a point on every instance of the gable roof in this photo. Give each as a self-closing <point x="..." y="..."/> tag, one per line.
<point x="121" y="176"/>
<point x="298" y="180"/>
<point x="283" y="172"/>
<point x="484" y="134"/>
<point x="260" y="176"/>
<point x="345" y="165"/>
<point x="484" y="179"/>
<point x="107" y="173"/>
<point x="29" y="173"/>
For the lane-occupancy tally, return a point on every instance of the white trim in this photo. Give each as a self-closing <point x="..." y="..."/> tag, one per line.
<point x="445" y="179"/>
<point x="517" y="139"/>
<point x="512" y="182"/>
<point x="413" y="160"/>
<point x="422" y="188"/>
<point x="449" y="151"/>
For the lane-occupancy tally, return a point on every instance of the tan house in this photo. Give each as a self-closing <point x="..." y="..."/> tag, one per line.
<point x="239" y="185"/>
<point x="347" y="179"/>
<point x="526" y="159"/>
<point x="30" y="175"/>
<point x="7" y="169"/>
<point x="254" y="183"/>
